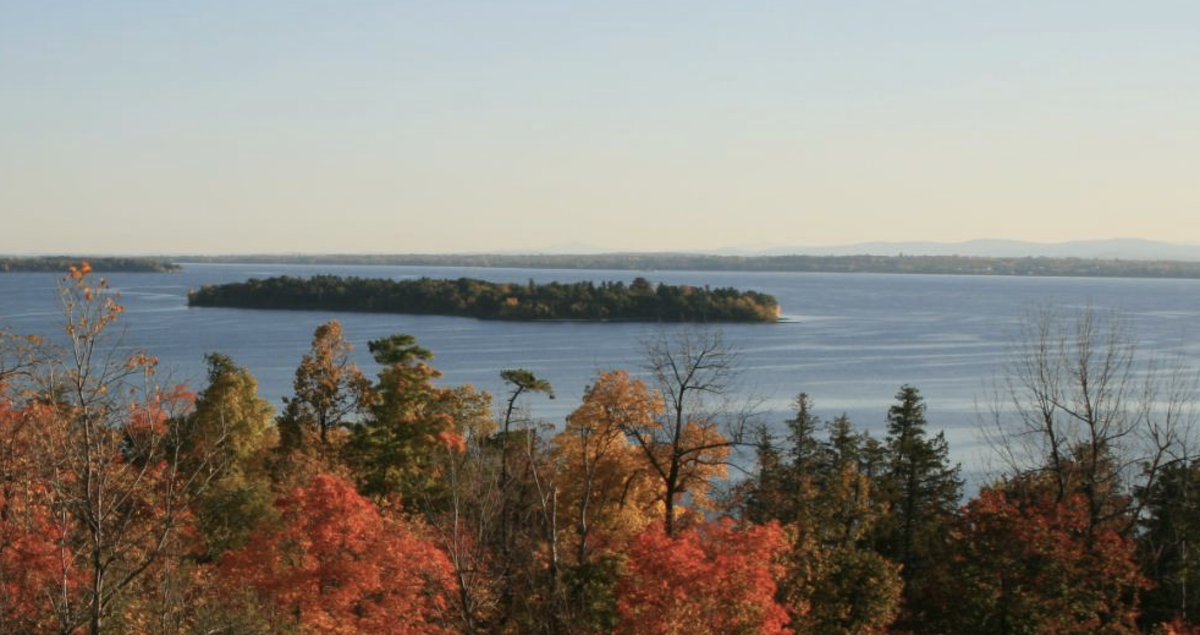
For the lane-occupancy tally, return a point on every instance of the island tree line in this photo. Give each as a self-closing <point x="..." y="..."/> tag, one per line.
<point x="392" y="504"/>
<point x="638" y="301"/>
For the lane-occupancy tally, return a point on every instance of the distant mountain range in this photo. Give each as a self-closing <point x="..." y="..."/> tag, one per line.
<point x="1115" y="248"/>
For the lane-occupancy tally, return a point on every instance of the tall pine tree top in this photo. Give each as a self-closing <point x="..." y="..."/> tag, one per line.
<point x="802" y="435"/>
<point x="923" y="487"/>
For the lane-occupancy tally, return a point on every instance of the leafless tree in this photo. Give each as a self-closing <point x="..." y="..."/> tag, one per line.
<point x="466" y="529"/>
<point x="1081" y="408"/>
<point x="696" y="372"/>
<point x="21" y="355"/>
<point x="501" y="501"/>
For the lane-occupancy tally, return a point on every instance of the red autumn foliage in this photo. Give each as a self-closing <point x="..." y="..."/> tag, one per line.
<point x="453" y="441"/>
<point x="711" y="580"/>
<point x="335" y="565"/>
<point x="1176" y="627"/>
<point x="29" y="536"/>
<point x="1024" y="562"/>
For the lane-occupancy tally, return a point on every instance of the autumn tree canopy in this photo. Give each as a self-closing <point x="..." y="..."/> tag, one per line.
<point x="609" y="491"/>
<point x="336" y="565"/>
<point x="712" y="579"/>
<point x="329" y="389"/>
<point x="1021" y="561"/>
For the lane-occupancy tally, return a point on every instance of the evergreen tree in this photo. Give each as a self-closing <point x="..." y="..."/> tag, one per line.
<point x="836" y="583"/>
<point x="787" y="484"/>
<point x="1170" y="544"/>
<point x="397" y="447"/>
<point x="921" y="485"/>
<point x="802" y="434"/>
<point x="848" y="493"/>
<point x="844" y="444"/>
<point x="766" y="498"/>
<point x="922" y="492"/>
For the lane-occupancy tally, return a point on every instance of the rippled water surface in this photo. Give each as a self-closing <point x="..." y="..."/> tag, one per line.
<point x="849" y="340"/>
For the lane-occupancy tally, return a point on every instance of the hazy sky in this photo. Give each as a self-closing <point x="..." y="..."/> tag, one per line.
<point x="395" y="126"/>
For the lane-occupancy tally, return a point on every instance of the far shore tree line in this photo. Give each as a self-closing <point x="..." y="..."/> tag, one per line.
<point x="862" y="263"/>
<point x="58" y="264"/>
<point x="1036" y="266"/>
<point x="392" y="504"/>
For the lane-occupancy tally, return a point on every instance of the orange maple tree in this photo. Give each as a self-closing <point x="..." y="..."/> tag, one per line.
<point x="335" y="565"/>
<point x="714" y="579"/>
<point x="609" y="492"/>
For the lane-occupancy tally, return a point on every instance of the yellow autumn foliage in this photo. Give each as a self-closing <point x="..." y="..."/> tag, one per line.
<point x="608" y="491"/>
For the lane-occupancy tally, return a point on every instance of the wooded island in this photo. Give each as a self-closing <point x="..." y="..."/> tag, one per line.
<point x="468" y="297"/>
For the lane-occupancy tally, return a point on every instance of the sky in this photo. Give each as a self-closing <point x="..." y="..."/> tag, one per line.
<point x="410" y="126"/>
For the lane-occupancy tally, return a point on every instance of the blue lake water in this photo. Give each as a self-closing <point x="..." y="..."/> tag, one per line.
<point x="850" y="340"/>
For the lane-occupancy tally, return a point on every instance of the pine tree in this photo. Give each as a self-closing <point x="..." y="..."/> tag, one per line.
<point x="922" y="491"/>
<point x="398" y="446"/>
<point x="1169" y="543"/>
<point x="787" y="483"/>
<point x="767" y="495"/>
<point x="802" y="434"/>
<point x="921" y="485"/>
<point x="844" y="444"/>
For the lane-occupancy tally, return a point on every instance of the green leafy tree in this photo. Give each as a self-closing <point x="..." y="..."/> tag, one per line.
<point x="232" y="426"/>
<point x="849" y="589"/>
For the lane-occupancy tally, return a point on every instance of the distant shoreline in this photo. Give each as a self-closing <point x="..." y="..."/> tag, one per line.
<point x="1026" y="266"/>
<point x="902" y="264"/>
<point x="101" y="264"/>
